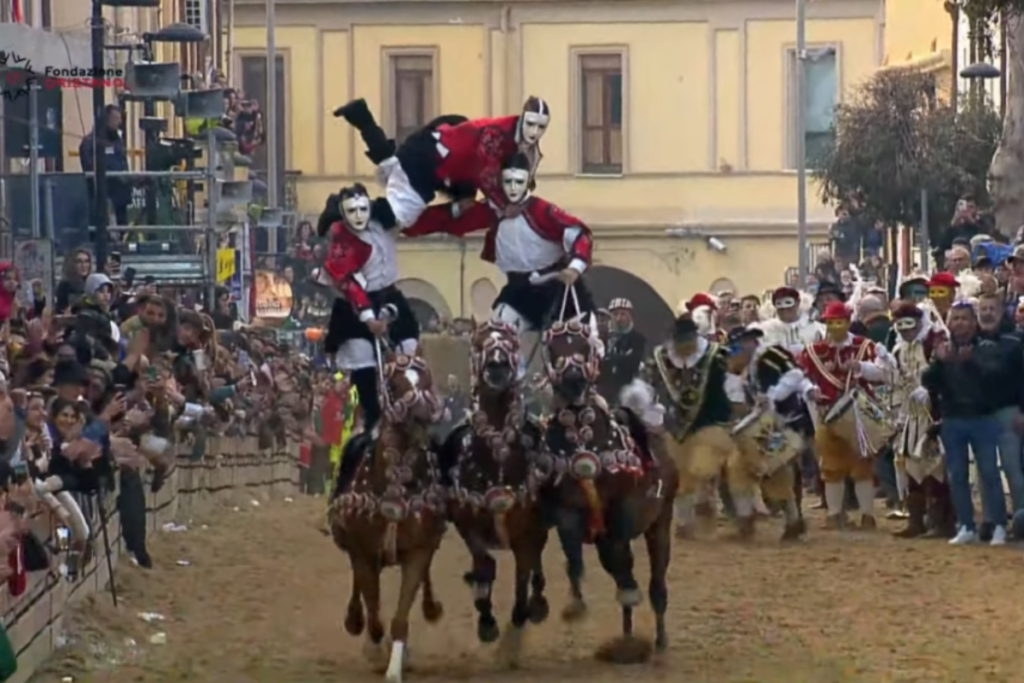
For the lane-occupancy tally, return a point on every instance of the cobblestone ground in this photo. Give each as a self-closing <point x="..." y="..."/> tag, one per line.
<point x="263" y="598"/>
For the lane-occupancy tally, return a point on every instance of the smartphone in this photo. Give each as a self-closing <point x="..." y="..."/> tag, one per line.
<point x="151" y="373"/>
<point x="114" y="263"/>
<point x="243" y="359"/>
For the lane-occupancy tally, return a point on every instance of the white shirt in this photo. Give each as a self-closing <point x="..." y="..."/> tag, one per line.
<point x="381" y="269"/>
<point x="519" y="249"/>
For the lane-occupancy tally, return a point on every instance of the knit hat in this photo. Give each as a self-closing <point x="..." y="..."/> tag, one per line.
<point x="96" y="282"/>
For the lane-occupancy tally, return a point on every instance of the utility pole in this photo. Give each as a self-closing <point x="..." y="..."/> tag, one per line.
<point x="270" y="119"/>
<point x="801" y="134"/>
<point x="99" y="148"/>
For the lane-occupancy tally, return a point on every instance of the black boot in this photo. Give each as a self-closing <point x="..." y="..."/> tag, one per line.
<point x="378" y="146"/>
<point x="365" y="382"/>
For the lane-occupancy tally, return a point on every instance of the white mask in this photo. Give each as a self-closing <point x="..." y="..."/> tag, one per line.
<point x="516" y="183"/>
<point x="533" y="125"/>
<point x="356" y="211"/>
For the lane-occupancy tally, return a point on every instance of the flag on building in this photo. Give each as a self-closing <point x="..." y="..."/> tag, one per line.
<point x="16" y="15"/>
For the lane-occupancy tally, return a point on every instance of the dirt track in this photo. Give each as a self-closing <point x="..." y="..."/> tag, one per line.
<point x="264" y="597"/>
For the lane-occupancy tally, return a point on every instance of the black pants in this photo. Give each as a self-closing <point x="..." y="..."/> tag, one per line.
<point x="131" y="505"/>
<point x="540" y="304"/>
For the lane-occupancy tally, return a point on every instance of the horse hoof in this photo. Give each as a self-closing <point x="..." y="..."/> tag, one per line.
<point x="511" y="647"/>
<point x="575" y="610"/>
<point x="355" y="622"/>
<point x="625" y="650"/>
<point x="488" y="631"/>
<point x="538" y="609"/>
<point x="375" y="654"/>
<point x="629" y="598"/>
<point x="661" y="643"/>
<point x="433" y="611"/>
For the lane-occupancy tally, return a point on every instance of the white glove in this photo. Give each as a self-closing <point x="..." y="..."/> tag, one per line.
<point x="919" y="395"/>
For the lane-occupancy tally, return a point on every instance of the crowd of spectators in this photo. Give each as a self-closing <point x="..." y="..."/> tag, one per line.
<point x="102" y="388"/>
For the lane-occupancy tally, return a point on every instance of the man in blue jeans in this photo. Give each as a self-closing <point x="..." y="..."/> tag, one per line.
<point x="959" y="380"/>
<point x="994" y="325"/>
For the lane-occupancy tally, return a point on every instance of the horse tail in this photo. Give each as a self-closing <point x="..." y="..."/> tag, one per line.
<point x="595" y="511"/>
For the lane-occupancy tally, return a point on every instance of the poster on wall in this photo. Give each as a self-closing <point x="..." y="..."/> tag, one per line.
<point x="34" y="261"/>
<point x="273" y="297"/>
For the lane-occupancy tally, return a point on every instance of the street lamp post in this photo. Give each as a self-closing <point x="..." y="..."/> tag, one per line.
<point x="803" y="261"/>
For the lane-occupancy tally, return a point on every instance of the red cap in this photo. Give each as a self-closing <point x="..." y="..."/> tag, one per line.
<point x="836" y="310"/>
<point x="785" y="293"/>
<point x="907" y="309"/>
<point x="699" y="300"/>
<point x="943" y="279"/>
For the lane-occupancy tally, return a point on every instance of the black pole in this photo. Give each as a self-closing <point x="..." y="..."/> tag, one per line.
<point x="152" y="139"/>
<point x="105" y="535"/>
<point x="100" y="209"/>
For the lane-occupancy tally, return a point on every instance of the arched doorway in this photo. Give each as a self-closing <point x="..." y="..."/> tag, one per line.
<point x="482" y="294"/>
<point x="425" y="300"/>
<point x="652" y="317"/>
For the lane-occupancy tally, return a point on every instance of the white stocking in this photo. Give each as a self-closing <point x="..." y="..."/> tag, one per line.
<point x="683" y="508"/>
<point x="835" y="492"/>
<point x="865" y="492"/>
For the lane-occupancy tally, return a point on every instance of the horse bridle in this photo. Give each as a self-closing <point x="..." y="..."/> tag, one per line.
<point x="556" y="369"/>
<point x="507" y="343"/>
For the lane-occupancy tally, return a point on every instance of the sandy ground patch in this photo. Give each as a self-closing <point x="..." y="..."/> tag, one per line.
<point x="264" y="595"/>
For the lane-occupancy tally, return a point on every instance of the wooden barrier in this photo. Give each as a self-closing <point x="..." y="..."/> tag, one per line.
<point x="33" y="620"/>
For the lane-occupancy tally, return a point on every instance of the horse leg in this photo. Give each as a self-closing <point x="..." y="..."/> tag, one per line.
<point x="512" y="640"/>
<point x="570" y="535"/>
<point x="617" y="559"/>
<point x="414" y="571"/>
<point x="481" y="581"/>
<point x="538" y="604"/>
<point x="355" y="619"/>
<point x="367" y="574"/>
<point x="659" y="550"/>
<point x="433" y="610"/>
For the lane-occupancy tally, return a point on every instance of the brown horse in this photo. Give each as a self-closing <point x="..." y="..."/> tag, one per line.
<point x="610" y="482"/>
<point x="393" y="512"/>
<point x="489" y="468"/>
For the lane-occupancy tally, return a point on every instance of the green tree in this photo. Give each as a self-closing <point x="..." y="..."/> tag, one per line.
<point x="894" y="137"/>
<point x="1006" y="173"/>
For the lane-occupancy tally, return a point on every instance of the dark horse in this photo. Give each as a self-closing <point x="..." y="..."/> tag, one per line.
<point x="493" y="504"/>
<point x="610" y="482"/>
<point x="393" y="512"/>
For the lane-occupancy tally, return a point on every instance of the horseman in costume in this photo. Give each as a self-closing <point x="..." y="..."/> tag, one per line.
<point x="767" y="379"/>
<point x="624" y="351"/>
<point x="452" y="154"/>
<point x="541" y="249"/>
<point x="792" y="328"/>
<point x="835" y="365"/>
<point x="690" y="379"/>
<point x="703" y="309"/>
<point x="362" y="266"/>
<point x="919" y="457"/>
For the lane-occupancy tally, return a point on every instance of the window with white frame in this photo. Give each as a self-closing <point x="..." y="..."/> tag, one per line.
<point x="821" y="92"/>
<point x="193" y="12"/>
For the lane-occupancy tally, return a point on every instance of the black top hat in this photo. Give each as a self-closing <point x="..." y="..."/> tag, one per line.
<point x="740" y="333"/>
<point x="829" y="287"/>
<point x="69" y="372"/>
<point x="684" y="329"/>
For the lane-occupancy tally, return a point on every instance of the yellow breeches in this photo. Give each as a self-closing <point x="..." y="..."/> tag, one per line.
<point x="779" y="486"/>
<point x="704" y="454"/>
<point x="838" y="459"/>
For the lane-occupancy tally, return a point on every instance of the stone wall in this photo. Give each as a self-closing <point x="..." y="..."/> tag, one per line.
<point x="33" y="620"/>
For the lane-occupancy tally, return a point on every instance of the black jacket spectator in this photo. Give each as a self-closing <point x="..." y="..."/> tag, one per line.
<point x="623" y="354"/>
<point x="106" y="139"/>
<point x="962" y="382"/>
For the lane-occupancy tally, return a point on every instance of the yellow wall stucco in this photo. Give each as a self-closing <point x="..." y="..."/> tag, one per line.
<point x="706" y="117"/>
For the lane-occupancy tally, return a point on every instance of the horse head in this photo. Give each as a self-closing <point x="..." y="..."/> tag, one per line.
<point x="494" y="358"/>
<point x="570" y="360"/>
<point x="407" y="390"/>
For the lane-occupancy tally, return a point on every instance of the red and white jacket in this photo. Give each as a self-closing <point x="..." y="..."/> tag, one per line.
<point x="359" y="263"/>
<point x="473" y="152"/>
<point x="821" y="363"/>
<point x="542" y="236"/>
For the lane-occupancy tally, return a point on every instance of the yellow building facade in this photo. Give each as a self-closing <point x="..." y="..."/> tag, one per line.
<point x="672" y="123"/>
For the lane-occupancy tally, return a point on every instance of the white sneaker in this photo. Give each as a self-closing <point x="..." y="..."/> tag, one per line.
<point x="964" y="537"/>
<point x="998" y="536"/>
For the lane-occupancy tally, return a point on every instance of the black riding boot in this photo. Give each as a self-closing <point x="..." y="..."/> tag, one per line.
<point x="378" y="146"/>
<point x="365" y="381"/>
